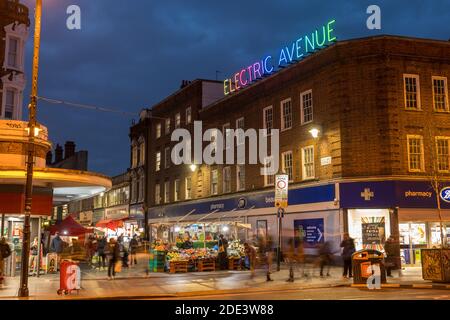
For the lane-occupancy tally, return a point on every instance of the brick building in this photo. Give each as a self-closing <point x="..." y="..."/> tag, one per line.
<point x="363" y="125"/>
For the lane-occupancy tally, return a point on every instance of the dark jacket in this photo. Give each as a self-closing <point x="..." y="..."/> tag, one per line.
<point x="113" y="251"/>
<point x="390" y="248"/>
<point x="101" y="246"/>
<point x="348" y="248"/>
<point x="57" y="245"/>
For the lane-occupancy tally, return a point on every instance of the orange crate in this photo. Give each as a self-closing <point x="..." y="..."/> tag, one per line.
<point x="206" y="265"/>
<point x="234" y="264"/>
<point x="178" y="266"/>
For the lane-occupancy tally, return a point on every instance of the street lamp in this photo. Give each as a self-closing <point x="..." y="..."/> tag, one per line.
<point x="193" y="167"/>
<point x="314" y="132"/>
<point x="32" y="126"/>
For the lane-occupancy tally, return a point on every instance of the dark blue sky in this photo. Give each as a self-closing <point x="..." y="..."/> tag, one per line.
<point x="131" y="54"/>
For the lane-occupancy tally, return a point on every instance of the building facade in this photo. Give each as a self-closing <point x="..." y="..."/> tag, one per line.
<point x="364" y="125"/>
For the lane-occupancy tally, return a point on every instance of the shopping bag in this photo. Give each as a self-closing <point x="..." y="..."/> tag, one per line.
<point x="118" y="267"/>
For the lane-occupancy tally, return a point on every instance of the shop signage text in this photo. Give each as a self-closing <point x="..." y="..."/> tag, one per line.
<point x="445" y="194"/>
<point x="296" y="50"/>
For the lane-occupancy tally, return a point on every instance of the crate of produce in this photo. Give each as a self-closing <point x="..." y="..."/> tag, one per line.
<point x="234" y="264"/>
<point x="204" y="265"/>
<point x="178" y="266"/>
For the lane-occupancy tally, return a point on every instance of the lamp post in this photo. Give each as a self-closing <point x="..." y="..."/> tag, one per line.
<point x="32" y="126"/>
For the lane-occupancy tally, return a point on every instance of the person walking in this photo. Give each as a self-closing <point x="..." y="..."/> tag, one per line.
<point x="113" y="251"/>
<point x="391" y="255"/>
<point x="101" y="248"/>
<point x="250" y="253"/>
<point x="325" y="257"/>
<point x="5" y="252"/>
<point x="348" y="249"/>
<point x="134" y="244"/>
<point x="223" y="255"/>
<point x="34" y="252"/>
<point x="266" y="252"/>
<point x="291" y="258"/>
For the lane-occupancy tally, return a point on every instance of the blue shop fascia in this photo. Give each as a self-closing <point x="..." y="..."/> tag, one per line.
<point x="370" y="211"/>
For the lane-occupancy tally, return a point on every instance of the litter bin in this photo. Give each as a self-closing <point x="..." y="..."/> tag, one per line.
<point x="362" y="260"/>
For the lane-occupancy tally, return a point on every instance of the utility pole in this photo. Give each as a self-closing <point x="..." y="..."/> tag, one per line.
<point x="32" y="126"/>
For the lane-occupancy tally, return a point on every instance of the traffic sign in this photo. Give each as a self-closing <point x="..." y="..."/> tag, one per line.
<point x="281" y="190"/>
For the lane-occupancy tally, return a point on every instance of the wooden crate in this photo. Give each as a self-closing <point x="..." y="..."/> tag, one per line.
<point x="178" y="266"/>
<point x="206" y="265"/>
<point x="234" y="264"/>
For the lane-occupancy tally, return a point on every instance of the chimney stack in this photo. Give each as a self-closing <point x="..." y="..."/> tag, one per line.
<point x="49" y="158"/>
<point x="69" y="149"/>
<point x="58" y="153"/>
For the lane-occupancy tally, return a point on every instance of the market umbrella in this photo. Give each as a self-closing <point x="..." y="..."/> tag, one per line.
<point x="69" y="227"/>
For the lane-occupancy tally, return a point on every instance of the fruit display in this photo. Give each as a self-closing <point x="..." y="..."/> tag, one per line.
<point x="236" y="249"/>
<point x="190" y="254"/>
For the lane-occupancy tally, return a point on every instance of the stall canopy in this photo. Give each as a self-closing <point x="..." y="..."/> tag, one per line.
<point x="69" y="227"/>
<point x="110" y="224"/>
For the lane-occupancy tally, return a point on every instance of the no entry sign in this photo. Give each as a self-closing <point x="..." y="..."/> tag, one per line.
<point x="281" y="190"/>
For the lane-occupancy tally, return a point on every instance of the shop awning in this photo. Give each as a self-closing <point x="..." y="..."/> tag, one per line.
<point x="110" y="224"/>
<point x="69" y="227"/>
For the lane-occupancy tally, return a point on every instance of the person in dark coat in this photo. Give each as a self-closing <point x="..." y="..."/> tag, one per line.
<point x="348" y="248"/>
<point x="223" y="255"/>
<point x="101" y="247"/>
<point x="57" y="244"/>
<point x="325" y="254"/>
<point x="113" y="250"/>
<point x="134" y="244"/>
<point x="391" y="255"/>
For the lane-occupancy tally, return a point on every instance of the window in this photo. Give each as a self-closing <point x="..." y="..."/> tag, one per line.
<point x="308" y="162"/>
<point x="167" y="126"/>
<point x="286" y="114"/>
<point x="268" y="119"/>
<point x="440" y="92"/>
<point x="158" y="161"/>
<point x="141" y="187"/>
<point x="269" y="179"/>
<point x="167" y="157"/>
<point x="240" y="177"/>
<point x="412" y="91"/>
<point x="188" y="115"/>
<point x="157" y="194"/>
<point x="166" y="191"/>
<point x="226" y="133"/>
<point x="158" y="130"/>
<point x="13" y="53"/>
<point x="214" y="182"/>
<point x="177" y="190"/>
<point x="10" y="103"/>
<point x="415" y="153"/>
<point x="240" y="124"/>
<point x="287" y="164"/>
<point x="306" y="99"/>
<point x="177" y="120"/>
<point x="134" y="154"/>
<point x="443" y="153"/>
<point x="188" y="193"/>
<point x="142" y="153"/>
<point x="226" y="179"/>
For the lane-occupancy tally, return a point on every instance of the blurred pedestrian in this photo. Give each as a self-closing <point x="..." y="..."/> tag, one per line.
<point x="223" y="255"/>
<point x="34" y="252"/>
<point x="325" y="254"/>
<point x="265" y="245"/>
<point x="5" y="252"/>
<point x="134" y="244"/>
<point x="57" y="244"/>
<point x="250" y="253"/>
<point x="101" y="247"/>
<point x="391" y="255"/>
<point x="124" y="254"/>
<point x="113" y="252"/>
<point x="348" y="249"/>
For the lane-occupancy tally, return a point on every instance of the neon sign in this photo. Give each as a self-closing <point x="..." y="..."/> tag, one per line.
<point x="295" y="51"/>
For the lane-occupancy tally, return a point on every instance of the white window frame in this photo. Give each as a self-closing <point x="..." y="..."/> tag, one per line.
<point x="158" y="130"/>
<point x="167" y="192"/>
<point x="418" y="98"/>
<point x="226" y="178"/>
<point x="269" y="130"/>
<point x="187" y="192"/>
<point x="226" y="127"/>
<point x="177" y="120"/>
<point x="283" y="127"/>
<point x="283" y="164"/>
<point x="302" y="106"/>
<point x="157" y="194"/>
<point x="188" y="115"/>
<point x="176" y="190"/>
<point x="158" y="161"/>
<point x="240" y="139"/>
<point x="15" y="104"/>
<point x="267" y="162"/>
<point x="167" y="159"/>
<point x="304" y="171"/>
<point x="214" y="172"/>
<point x="239" y="169"/>
<point x="422" y="158"/>
<point x="438" y="138"/>
<point x="447" y="106"/>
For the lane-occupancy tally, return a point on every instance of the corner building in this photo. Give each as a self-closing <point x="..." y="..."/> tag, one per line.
<point x="380" y="109"/>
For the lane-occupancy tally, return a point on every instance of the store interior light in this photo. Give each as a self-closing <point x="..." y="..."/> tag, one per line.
<point x="314" y="132"/>
<point x="225" y="229"/>
<point x="177" y="229"/>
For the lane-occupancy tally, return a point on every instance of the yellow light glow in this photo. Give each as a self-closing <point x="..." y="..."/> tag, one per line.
<point x="314" y="132"/>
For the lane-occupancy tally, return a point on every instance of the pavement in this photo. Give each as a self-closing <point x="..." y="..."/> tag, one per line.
<point x="136" y="283"/>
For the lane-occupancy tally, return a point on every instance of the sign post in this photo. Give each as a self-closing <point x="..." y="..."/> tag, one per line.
<point x="281" y="202"/>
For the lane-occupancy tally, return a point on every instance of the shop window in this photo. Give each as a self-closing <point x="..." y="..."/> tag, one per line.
<point x="308" y="162"/>
<point x="177" y="120"/>
<point x="287" y="164"/>
<point x="214" y="182"/>
<point x="240" y="177"/>
<point x="157" y="194"/>
<point x="268" y="119"/>
<point x="167" y="157"/>
<point x="158" y="161"/>
<point x="176" y="190"/>
<point x="240" y="124"/>
<point x="226" y="179"/>
<point x="167" y="126"/>
<point x="415" y="153"/>
<point x="188" y="191"/>
<point x="412" y="91"/>
<point x="306" y="99"/>
<point x="443" y="154"/>
<point x="158" y="130"/>
<point x="369" y="228"/>
<point x="269" y="179"/>
<point x="188" y="115"/>
<point x="286" y="114"/>
<point x="440" y="94"/>
<point x="167" y="192"/>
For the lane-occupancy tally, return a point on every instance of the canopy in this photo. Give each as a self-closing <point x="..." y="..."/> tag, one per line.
<point x="110" y="224"/>
<point x="69" y="227"/>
